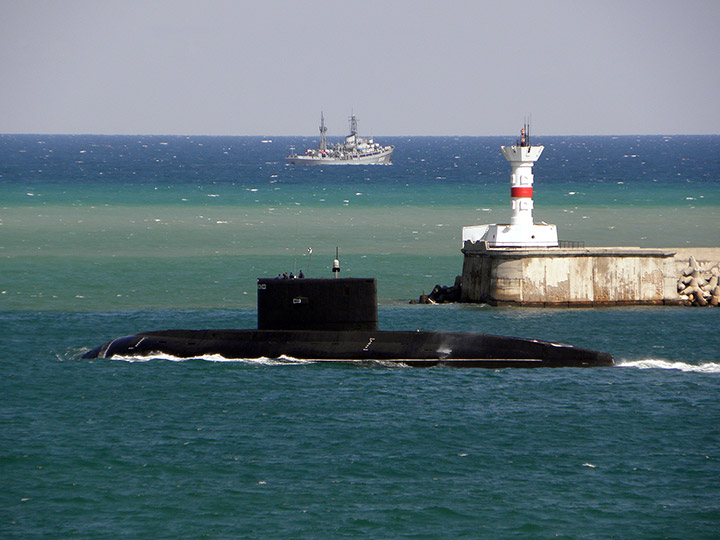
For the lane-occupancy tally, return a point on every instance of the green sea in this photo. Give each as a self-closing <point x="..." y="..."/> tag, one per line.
<point x="104" y="236"/>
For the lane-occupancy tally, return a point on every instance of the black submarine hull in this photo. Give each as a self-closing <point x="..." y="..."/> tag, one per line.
<point x="336" y="320"/>
<point x="417" y="349"/>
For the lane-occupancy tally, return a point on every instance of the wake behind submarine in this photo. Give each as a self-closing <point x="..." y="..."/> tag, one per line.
<point x="336" y="320"/>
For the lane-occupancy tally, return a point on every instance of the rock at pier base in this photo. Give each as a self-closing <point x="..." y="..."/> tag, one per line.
<point x="442" y="294"/>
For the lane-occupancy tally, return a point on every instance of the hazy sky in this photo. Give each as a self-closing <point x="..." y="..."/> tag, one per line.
<point x="405" y="67"/>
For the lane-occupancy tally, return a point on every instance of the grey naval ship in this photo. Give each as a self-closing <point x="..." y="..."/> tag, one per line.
<point x="336" y="320"/>
<point x="354" y="150"/>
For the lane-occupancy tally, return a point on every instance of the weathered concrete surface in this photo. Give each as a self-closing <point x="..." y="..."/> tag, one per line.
<point x="576" y="276"/>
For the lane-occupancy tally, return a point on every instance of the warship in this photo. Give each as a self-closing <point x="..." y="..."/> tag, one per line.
<point x="354" y="150"/>
<point x="336" y="320"/>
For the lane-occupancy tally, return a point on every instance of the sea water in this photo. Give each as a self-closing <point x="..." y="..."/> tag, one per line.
<point x="103" y="236"/>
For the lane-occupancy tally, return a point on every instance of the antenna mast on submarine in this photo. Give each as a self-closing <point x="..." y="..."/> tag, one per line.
<point x="336" y="263"/>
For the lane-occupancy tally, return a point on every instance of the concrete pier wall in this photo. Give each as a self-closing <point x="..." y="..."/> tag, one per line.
<point x="576" y="276"/>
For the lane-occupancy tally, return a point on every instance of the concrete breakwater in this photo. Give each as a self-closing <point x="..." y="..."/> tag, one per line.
<point x="597" y="276"/>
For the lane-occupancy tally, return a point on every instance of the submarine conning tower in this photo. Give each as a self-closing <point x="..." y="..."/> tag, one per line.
<point x="344" y="304"/>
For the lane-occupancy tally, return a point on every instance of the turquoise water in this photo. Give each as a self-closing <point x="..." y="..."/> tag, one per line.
<point x="107" y="236"/>
<point x="92" y="222"/>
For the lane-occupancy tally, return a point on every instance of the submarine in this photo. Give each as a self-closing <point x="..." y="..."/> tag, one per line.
<point x="336" y="320"/>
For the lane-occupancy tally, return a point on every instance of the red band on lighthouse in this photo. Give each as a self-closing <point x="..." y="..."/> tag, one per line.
<point x="521" y="192"/>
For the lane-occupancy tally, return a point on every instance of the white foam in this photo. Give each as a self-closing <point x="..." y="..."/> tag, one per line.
<point x="264" y="361"/>
<point x="650" y="363"/>
<point x="282" y="361"/>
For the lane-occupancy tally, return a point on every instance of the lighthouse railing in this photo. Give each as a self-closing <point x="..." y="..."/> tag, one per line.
<point x="569" y="244"/>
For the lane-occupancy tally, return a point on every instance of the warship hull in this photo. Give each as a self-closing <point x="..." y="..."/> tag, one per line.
<point x="416" y="349"/>
<point x="381" y="158"/>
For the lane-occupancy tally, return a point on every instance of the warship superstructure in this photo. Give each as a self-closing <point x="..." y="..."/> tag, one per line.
<point x="353" y="150"/>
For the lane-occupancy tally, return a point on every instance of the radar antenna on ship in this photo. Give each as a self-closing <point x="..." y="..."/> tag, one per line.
<point x="353" y="125"/>
<point x="323" y="131"/>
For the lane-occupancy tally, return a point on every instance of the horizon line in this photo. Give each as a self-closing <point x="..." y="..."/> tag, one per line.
<point x="267" y="135"/>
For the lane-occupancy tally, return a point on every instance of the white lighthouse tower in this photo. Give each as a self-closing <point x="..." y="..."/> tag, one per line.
<point x="521" y="232"/>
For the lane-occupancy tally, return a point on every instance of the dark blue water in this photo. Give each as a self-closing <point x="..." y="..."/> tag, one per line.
<point x="107" y="236"/>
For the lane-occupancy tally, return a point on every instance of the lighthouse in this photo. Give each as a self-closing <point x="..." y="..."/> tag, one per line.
<point x="521" y="232"/>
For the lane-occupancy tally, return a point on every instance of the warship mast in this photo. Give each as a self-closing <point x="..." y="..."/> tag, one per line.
<point x="323" y="130"/>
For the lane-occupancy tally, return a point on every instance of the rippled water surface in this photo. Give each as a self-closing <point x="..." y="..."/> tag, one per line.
<point x="107" y="236"/>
